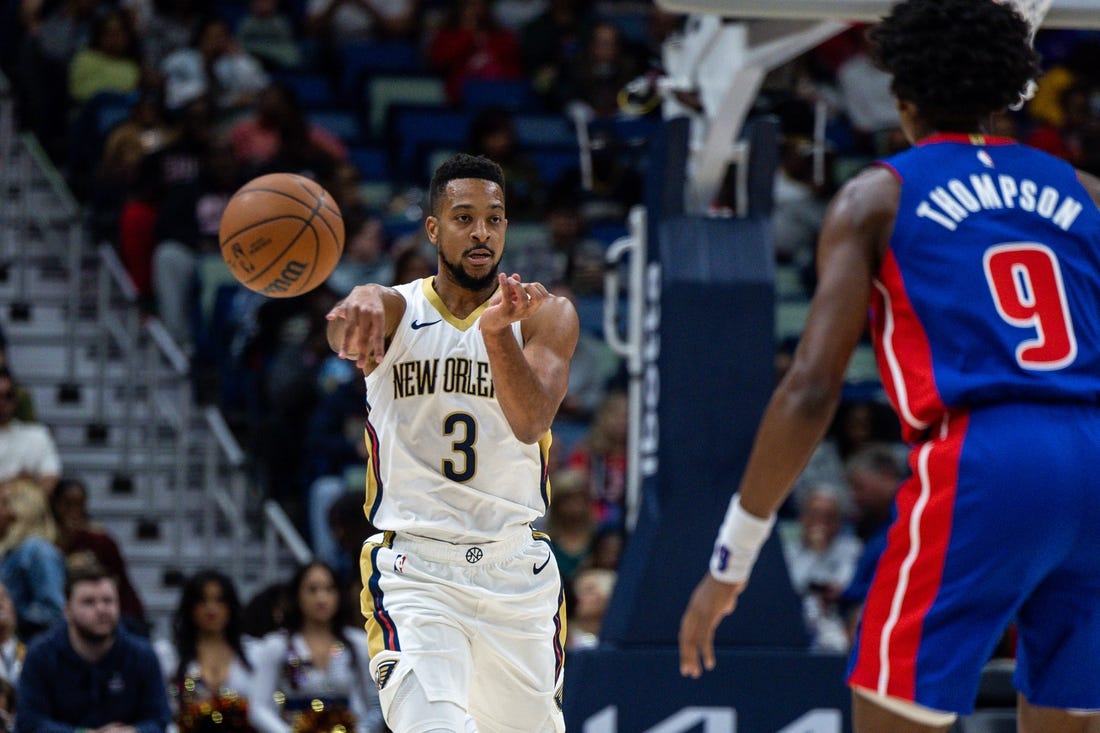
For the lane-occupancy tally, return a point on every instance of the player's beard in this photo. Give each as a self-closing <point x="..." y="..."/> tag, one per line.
<point x="467" y="280"/>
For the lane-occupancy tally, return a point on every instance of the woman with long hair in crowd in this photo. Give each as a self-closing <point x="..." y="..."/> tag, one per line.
<point x="207" y="669"/>
<point x="317" y="658"/>
<point x="31" y="565"/>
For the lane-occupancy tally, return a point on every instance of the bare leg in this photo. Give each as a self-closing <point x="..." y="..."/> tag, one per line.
<point x="869" y="717"/>
<point x="1035" y="719"/>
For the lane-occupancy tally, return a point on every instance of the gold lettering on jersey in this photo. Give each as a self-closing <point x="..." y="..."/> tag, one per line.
<point x="460" y="376"/>
<point x="412" y="378"/>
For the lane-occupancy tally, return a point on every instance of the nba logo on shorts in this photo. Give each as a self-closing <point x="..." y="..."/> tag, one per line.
<point x="399" y="564"/>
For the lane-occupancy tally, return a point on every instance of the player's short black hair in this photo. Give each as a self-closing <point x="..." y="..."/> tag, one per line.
<point x="958" y="61"/>
<point x="459" y="166"/>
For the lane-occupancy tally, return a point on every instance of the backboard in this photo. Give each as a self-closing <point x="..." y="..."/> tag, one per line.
<point x="1063" y="14"/>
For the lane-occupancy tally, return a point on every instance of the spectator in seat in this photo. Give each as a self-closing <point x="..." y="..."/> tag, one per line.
<point x="166" y="26"/>
<point x="12" y="649"/>
<point x="472" y="45"/>
<point x="143" y="133"/>
<point x="551" y="41"/>
<point x="31" y="566"/>
<point x="569" y="520"/>
<point x="7" y="706"/>
<point x="874" y="472"/>
<point x="268" y="34"/>
<point x="89" y="673"/>
<point x="567" y="255"/>
<point x="493" y="134"/>
<point x="280" y="131"/>
<point x="601" y="455"/>
<point x="366" y="255"/>
<point x="335" y="23"/>
<point x="599" y="73"/>
<point x="27" y="449"/>
<point x="188" y="220"/>
<point x="337" y="449"/>
<point x="80" y="541"/>
<point x="592" y="589"/>
<point x="215" y="65"/>
<point x="821" y="559"/>
<point x="110" y="63"/>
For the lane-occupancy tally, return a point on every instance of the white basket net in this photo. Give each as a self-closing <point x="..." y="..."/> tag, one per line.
<point x="1033" y="11"/>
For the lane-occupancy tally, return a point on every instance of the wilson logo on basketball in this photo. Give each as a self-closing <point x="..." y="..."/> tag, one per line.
<point x="241" y="259"/>
<point x="290" y="274"/>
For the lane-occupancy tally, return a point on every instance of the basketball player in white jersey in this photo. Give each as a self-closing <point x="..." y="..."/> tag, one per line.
<point x="464" y="373"/>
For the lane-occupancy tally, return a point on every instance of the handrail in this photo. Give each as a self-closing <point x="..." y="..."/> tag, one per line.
<point x="167" y="346"/>
<point x="282" y="525"/>
<point x="57" y="183"/>
<point x="231" y="449"/>
<point x="117" y="271"/>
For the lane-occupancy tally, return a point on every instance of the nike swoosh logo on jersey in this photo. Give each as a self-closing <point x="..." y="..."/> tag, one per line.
<point x="538" y="568"/>
<point x="416" y="325"/>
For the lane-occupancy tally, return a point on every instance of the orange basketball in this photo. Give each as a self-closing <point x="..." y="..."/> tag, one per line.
<point x="281" y="235"/>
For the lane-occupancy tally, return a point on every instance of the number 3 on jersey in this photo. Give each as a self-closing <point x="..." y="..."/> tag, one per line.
<point x="1026" y="283"/>
<point x="463" y="426"/>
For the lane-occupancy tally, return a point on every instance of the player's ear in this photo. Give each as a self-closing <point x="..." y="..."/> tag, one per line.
<point x="431" y="226"/>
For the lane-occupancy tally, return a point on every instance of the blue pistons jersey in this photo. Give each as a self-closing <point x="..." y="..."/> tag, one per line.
<point x="985" y="316"/>
<point x="990" y="289"/>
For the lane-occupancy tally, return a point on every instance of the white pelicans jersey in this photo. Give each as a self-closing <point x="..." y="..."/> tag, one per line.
<point x="443" y="461"/>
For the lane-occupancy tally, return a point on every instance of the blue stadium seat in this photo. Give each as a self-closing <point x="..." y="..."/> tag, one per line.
<point x="385" y="91"/>
<point x="634" y="26"/>
<point x="313" y="90"/>
<point x="544" y="130"/>
<point x="516" y="95"/>
<point x="553" y="163"/>
<point x="231" y="12"/>
<point x="358" y="60"/>
<point x="607" y="233"/>
<point x="344" y="125"/>
<point x="372" y="161"/>
<point x="415" y="130"/>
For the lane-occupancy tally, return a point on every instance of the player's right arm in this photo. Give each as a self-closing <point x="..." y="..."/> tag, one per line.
<point x="360" y="325"/>
<point x="853" y="237"/>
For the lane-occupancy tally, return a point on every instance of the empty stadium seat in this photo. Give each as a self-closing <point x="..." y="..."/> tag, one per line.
<point x="416" y="131"/>
<point x="383" y="91"/>
<point x="516" y="95"/>
<point x="544" y="130"/>
<point x="372" y="161"/>
<point x="553" y="163"/>
<point x="313" y="90"/>
<point x="343" y="124"/>
<point x="357" y="60"/>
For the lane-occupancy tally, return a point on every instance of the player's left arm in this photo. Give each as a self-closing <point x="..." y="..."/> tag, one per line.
<point x="530" y="382"/>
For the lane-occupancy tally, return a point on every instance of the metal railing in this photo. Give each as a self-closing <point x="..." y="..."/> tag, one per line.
<point x="185" y="466"/>
<point x="206" y="453"/>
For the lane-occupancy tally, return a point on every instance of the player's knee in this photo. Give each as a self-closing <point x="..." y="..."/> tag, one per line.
<point x="410" y="711"/>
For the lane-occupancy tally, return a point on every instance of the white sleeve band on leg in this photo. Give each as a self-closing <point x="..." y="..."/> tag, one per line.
<point x="739" y="541"/>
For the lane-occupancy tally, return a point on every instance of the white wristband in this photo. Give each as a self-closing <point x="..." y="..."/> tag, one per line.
<point x="739" y="541"/>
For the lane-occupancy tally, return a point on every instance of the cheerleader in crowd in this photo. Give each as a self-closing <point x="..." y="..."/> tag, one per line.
<point x="313" y="675"/>
<point x="208" y="672"/>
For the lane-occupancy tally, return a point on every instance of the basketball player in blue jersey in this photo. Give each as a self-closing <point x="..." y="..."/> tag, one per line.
<point x="464" y="373"/>
<point x="976" y="263"/>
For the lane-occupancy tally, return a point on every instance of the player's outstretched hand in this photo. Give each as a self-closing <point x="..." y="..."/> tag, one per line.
<point x="363" y="337"/>
<point x="711" y="601"/>
<point x="513" y="301"/>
